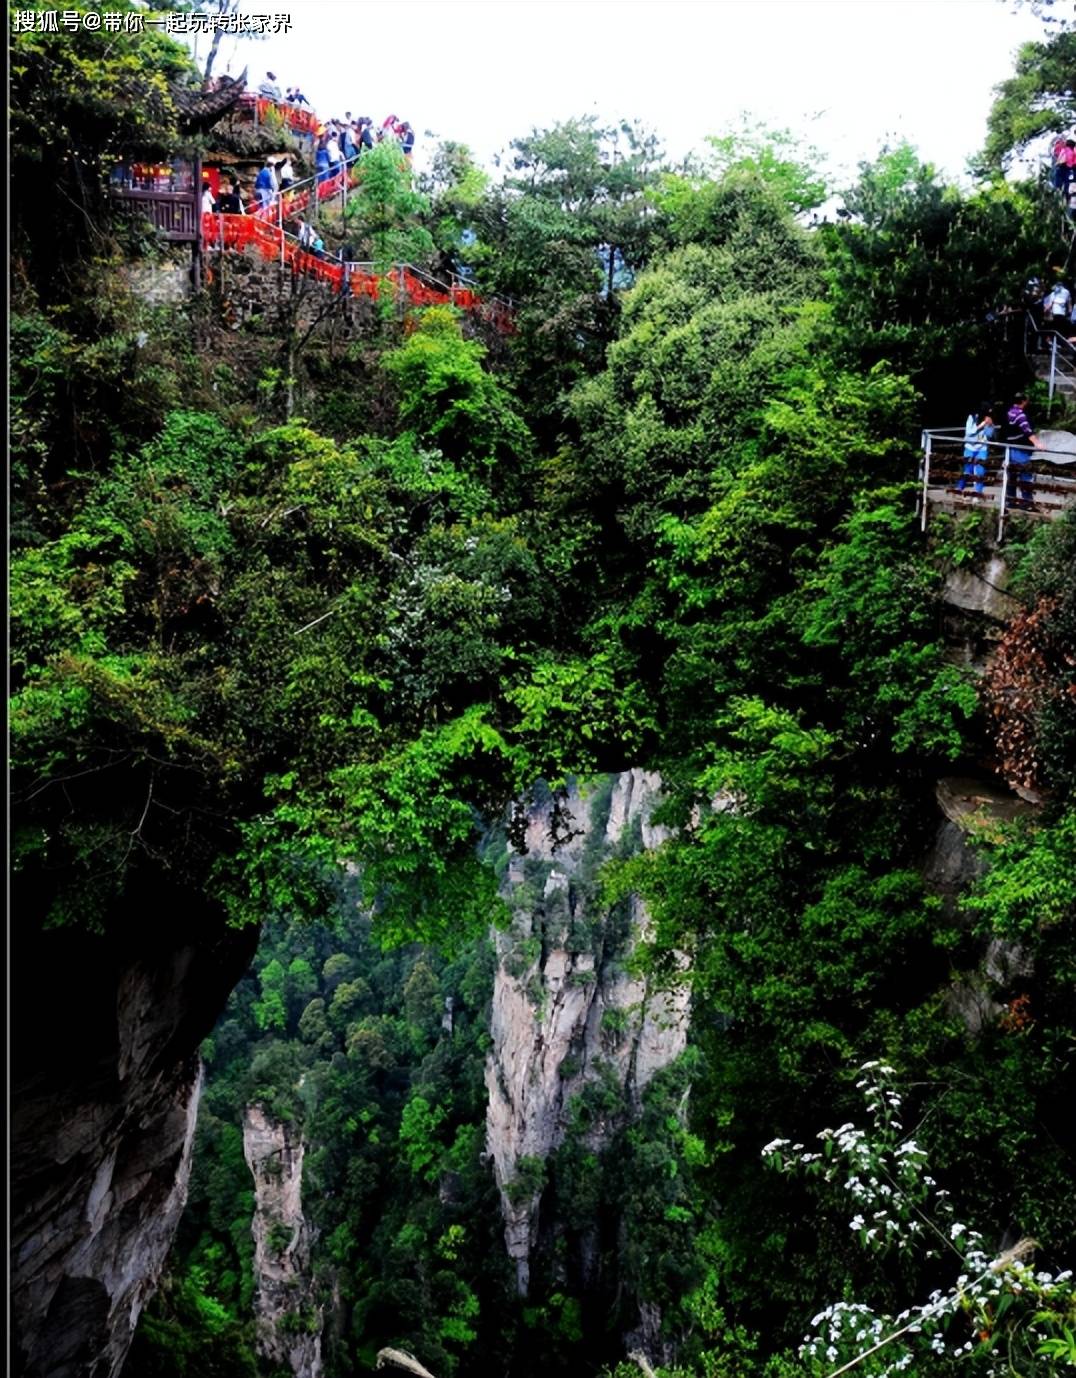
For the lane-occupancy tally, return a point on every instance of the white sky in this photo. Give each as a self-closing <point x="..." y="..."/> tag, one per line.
<point x="847" y="74"/>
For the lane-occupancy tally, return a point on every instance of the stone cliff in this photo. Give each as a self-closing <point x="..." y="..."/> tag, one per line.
<point x="105" y="1085"/>
<point x="564" y="1002"/>
<point x="289" y="1322"/>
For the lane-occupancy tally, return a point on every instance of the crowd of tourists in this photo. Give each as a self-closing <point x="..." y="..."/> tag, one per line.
<point x="337" y="143"/>
<point x="347" y="136"/>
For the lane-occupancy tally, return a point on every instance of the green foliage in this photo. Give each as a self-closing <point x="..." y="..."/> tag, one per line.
<point x="869" y="604"/>
<point x="451" y="402"/>
<point x="1030" y="885"/>
<point x="1037" y="100"/>
<point x="383" y="207"/>
<point x="418" y="1128"/>
<point x="303" y="670"/>
<point x="100" y="98"/>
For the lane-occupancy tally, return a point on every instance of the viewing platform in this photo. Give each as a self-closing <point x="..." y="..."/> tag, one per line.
<point x="167" y="194"/>
<point x="996" y="477"/>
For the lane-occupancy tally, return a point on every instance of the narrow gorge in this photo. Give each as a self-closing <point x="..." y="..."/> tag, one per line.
<point x="543" y="696"/>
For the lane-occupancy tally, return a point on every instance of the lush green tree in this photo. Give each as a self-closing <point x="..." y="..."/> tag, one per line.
<point x="382" y="209"/>
<point x="1038" y="99"/>
<point x="90" y="102"/>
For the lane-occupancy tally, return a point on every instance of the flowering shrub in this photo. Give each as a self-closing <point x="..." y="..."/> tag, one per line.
<point x="999" y="1314"/>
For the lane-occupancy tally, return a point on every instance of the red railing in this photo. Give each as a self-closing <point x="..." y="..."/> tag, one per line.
<point x="299" y="119"/>
<point x="257" y="232"/>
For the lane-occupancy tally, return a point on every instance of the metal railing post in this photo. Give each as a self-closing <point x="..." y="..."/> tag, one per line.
<point x="280" y="225"/>
<point x="926" y="482"/>
<point x="1053" y="364"/>
<point x="1004" y="495"/>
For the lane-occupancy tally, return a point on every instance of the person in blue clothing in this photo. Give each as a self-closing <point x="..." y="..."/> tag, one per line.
<point x="321" y="158"/>
<point x="1021" y="439"/>
<point x="978" y="430"/>
<point x="407" y="138"/>
<point x="265" y="185"/>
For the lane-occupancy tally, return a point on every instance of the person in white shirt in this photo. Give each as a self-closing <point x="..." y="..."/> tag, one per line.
<point x="207" y="199"/>
<point x="1058" y="305"/>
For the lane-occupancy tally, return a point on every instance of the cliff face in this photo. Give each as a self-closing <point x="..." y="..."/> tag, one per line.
<point x="563" y="1002"/>
<point x="289" y="1323"/>
<point x="105" y="1087"/>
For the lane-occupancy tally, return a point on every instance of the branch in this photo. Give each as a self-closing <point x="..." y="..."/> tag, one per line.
<point x="401" y="1359"/>
<point x="315" y="622"/>
<point x="1019" y="1251"/>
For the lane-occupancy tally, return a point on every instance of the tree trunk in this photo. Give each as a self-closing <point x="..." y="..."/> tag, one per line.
<point x="213" y="47"/>
<point x="223" y="7"/>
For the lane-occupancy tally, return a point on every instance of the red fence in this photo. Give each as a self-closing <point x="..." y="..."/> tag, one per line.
<point x="257" y="232"/>
<point x="299" y="119"/>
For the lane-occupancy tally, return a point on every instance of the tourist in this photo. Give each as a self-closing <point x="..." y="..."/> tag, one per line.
<point x="407" y="138"/>
<point x="1019" y="436"/>
<point x="1056" y="307"/>
<point x="1064" y="166"/>
<point x="978" y="430"/>
<point x="231" y="202"/>
<point x="332" y="147"/>
<point x="1033" y="296"/>
<point x="285" y="173"/>
<point x="318" y="246"/>
<point x="265" y="185"/>
<point x="306" y="234"/>
<point x="1061" y="163"/>
<point x="366" y="132"/>
<point x="298" y="98"/>
<point x="321" y="156"/>
<point x="208" y="204"/>
<point x="269" y="87"/>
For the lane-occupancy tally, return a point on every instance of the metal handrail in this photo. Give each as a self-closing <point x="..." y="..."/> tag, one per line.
<point x="1040" y="452"/>
<point x="1062" y="353"/>
<point x="1043" y="478"/>
<point x="306" y="182"/>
